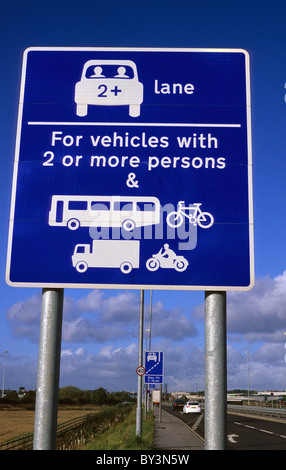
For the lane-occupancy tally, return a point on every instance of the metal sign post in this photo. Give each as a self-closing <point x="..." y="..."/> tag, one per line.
<point x="45" y="427"/>
<point x="160" y="405"/>
<point x="140" y="362"/>
<point x="215" y="371"/>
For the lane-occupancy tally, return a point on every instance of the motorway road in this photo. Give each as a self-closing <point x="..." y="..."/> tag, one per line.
<point x="244" y="432"/>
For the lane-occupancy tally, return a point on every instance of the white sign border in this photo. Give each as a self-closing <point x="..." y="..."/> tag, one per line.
<point x="132" y="286"/>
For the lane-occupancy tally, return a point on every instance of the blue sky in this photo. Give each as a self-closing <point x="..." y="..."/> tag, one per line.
<point x="100" y="329"/>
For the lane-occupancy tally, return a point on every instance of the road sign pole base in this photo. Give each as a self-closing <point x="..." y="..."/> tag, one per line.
<point x="215" y="371"/>
<point x="48" y="370"/>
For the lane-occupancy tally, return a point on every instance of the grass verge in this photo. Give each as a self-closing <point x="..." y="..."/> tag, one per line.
<point x="122" y="435"/>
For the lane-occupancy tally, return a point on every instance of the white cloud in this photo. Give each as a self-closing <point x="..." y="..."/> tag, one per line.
<point x="66" y="352"/>
<point x="24" y="318"/>
<point x="266" y="368"/>
<point x="174" y="324"/>
<point x="80" y="352"/>
<point x="91" y="302"/>
<point x="111" y="368"/>
<point x="100" y="338"/>
<point x="26" y="311"/>
<point x="260" y="314"/>
<point x="257" y="315"/>
<point x="99" y="317"/>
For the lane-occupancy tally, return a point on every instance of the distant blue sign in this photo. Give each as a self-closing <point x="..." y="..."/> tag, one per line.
<point x="133" y="170"/>
<point x="154" y="367"/>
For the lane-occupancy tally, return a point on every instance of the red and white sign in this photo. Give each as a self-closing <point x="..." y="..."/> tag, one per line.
<point x="140" y="370"/>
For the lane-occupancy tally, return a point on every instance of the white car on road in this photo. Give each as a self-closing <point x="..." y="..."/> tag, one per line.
<point x="192" y="407"/>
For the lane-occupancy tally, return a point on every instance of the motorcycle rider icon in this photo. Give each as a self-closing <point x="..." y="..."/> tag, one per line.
<point x="167" y="259"/>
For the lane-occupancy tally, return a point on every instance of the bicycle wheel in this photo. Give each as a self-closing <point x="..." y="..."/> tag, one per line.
<point x="175" y="219"/>
<point x="205" y="220"/>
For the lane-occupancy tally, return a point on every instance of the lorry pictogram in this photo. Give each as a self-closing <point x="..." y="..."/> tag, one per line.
<point x="123" y="254"/>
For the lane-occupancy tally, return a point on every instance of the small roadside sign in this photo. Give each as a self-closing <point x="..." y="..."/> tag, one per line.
<point x="140" y="370"/>
<point x="154" y="366"/>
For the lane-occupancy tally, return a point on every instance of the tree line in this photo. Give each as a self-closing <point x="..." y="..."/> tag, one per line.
<point x="71" y="395"/>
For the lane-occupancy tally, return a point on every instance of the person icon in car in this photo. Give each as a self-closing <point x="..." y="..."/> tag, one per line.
<point x="121" y="73"/>
<point x="97" y="72"/>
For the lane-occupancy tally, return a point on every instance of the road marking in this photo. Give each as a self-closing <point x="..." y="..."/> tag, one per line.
<point x="197" y="422"/>
<point x="258" y="429"/>
<point x="264" y="430"/>
<point x="231" y="438"/>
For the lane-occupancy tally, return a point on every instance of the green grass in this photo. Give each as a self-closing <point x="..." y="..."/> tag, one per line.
<point x="122" y="435"/>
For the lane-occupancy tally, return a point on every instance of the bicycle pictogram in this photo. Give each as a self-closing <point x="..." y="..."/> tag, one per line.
<point x="191" y="212"/>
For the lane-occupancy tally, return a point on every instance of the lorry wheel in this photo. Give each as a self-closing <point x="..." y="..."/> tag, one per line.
<point x="81" y="266"/>
<point x="126" y="267"/>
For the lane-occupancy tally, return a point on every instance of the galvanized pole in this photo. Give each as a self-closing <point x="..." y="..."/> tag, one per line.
<point x="247" y="352"/>
<point x="45" y="427"/>
<point x="146" y="401"/>
<point x="215" y="371"/>
<point x="140" y="363"/>
<point x="150" y="321"/>
<point x="150" y="326"/>
<point x="160" y="404"/>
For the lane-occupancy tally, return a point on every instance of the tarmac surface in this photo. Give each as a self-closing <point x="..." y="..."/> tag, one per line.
<point x="172" y="434"/>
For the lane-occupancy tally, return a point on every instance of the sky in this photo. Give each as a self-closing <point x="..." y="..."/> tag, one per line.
<point x="100" y="327"/>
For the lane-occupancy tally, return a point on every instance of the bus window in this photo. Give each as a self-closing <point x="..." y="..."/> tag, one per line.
<point x="100" y="206"/>
<point x="145" y="206"/>
<point x="77" y="205"/>
<point x="123" y="206"/>
<point x="59" y="211"/>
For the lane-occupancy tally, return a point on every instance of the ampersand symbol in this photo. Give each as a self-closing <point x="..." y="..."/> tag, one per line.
<point x="131" y="182"/>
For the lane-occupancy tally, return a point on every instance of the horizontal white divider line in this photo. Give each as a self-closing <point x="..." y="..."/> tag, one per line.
<point x="151" y="124"/>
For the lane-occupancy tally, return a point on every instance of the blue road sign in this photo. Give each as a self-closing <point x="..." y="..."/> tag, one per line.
<point x="154" y="367"/>
<point x="133" y="170"/>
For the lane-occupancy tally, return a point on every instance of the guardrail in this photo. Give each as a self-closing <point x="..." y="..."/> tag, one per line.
<point x="258" y="410"/>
